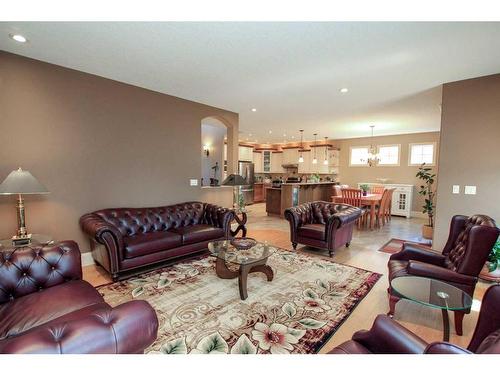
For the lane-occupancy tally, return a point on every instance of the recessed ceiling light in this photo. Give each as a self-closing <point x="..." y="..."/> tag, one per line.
<point x="293" y="137"/>
<point x="250" y="134"/>
<point x="343" y="90"/>
<point x="254" y="109"/>
<point x="18" y="38"/>
<point x="270" y="132"/>
<point x="284" y="135"/>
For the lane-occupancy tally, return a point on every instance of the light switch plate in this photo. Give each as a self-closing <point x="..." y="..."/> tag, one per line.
<point x="193" y="182"/>
<point x="470" y="190"/>
<point x="456" y="189"/>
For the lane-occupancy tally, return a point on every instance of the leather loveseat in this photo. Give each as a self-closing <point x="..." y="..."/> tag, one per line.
<point x="125" y="240"/>
<point x="46" y="307"/>
<point x="322" y="225"/>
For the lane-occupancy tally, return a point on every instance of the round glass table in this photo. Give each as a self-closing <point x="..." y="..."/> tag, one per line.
<point x="433" y="293"/>
<point x="246" y="261"/>
<point x="36" y="240"/>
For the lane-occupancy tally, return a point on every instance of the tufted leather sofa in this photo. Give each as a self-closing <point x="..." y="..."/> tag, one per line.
<point x="125" y="240"/>
<point x="46" y="307"/>
<point x="322" y="225"/>
<point x="469" y="244"/>
<point x="389" y="337"/>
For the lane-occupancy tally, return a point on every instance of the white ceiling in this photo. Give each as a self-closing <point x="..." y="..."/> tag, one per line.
<point x="290" y="72"/>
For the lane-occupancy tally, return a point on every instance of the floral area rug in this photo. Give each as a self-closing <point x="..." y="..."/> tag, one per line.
<point x="198" y="312"/>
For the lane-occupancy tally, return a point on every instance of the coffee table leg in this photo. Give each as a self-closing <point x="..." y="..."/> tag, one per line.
<point x="446" y="325"/>
<point x="265" y="269"/>
<point x="242" y="281"/>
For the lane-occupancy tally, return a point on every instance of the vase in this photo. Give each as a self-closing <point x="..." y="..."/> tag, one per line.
<point x="365" y="193"/>
<point x="427" y="232"/>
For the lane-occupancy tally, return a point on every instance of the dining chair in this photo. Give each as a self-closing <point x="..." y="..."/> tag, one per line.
<point x="353" y="197"/>
<point x="377" y="189"/>
<point x="388" y="206"/>
<point x="381" y="214"/>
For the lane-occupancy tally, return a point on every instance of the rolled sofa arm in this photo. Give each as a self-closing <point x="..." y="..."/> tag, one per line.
<point x="445" y="348"/>
<point x="95" y="227"/>
<point x="128" y="328"/>
<point x="344" y="214"/>
<point x="220" y="217"/>
<point x="415" y="252"/>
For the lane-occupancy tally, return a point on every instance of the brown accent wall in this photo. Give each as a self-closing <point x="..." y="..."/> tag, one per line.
<point x="470" y="143"/>
<point x="403" y="174"/>
<point x="95" y="143"/>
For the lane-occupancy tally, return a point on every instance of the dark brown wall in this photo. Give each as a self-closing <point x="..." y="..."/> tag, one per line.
<point x="94" y="143"/>
<point x="469" y="151"/>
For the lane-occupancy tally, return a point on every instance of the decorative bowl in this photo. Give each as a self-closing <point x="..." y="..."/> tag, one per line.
<point x="243" y="243"/>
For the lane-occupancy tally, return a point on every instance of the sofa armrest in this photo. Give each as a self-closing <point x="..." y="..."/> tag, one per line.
<point x="219" y="217"/>
<point x="344" y="214"/>
<point x="417" y="268"/>
<point x="128" y="328"/>
<point x="389" y="337"/>
<point x="415" y="252"/>
<point x="445" y="348"/>
<point x="95" y="227"/>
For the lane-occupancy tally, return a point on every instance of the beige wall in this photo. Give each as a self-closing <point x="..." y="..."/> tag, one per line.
<point x="470" y="143"/>
<point x="95" y="143"/>
<point x="402" y="174"/>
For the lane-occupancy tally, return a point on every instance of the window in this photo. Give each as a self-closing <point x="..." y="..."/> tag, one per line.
<point x="422" y="153"/>
<point x="359" y="156"/>
<point x="389" y="155"/>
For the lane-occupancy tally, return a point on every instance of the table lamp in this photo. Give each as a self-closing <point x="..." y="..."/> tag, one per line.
<point x="235" y="180"/>
<point x="21" y="182"/>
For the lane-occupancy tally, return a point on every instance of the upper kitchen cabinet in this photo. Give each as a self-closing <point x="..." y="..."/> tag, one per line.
<point x="290" y="156"/>
<point x="276" y="162"/>
<point x="245" y="153"/>
<point x="257" y="161"/>
<point x="266" y="161"/>
<point x="305" y="167"/>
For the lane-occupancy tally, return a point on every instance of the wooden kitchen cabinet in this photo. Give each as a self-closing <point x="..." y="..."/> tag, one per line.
<point x="258" y="193"/>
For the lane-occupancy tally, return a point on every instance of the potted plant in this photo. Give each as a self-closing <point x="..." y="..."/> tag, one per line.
<point x="491" y="270"/>
<point x="364" y="188"/>
<point x="426" y="190"/>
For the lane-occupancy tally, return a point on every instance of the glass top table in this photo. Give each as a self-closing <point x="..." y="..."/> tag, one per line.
<point x="246" y="261"/>
<point x="36" y="240"/>
<point x="433" y="293"/>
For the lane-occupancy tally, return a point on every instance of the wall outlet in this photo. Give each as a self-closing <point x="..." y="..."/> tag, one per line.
<point x="193" y="182"/>
<point x="456" y="189"/>
<point x="471" y="190"/>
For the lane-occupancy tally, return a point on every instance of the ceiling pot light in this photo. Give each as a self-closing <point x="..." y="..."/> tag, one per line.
<point x="301" y="158"/>
<point x="254" y="109"/>
<point x="18" y="38"/>
<point x="343" y="90"/>
<point x="315" y="160"/>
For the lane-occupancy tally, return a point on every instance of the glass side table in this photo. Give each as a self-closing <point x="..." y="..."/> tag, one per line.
<point x="36" y="240"/>
<point x="433" y="293"/>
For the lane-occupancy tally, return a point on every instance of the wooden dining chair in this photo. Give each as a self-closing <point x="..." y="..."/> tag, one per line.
<point x="353" y="197"/>
<point x="377" y="189"/>
<point x="388" y="208"/>
<point x="384" y="208"/>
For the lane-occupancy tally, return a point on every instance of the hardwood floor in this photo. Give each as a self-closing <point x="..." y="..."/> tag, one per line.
<point x="424" y="321"/>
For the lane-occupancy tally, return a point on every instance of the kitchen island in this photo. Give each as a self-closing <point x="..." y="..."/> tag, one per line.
<point x="293" y="194"/>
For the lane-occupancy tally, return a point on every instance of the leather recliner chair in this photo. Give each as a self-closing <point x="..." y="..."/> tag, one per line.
<point x="322" y="225"/>
<point x="46" y="307"/>
<point x="469" y="244"/>
<point x="389" y="337"/>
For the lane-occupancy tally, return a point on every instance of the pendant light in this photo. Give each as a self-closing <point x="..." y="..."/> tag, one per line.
<point x="373" y="156"/>
<point x="301" y="158"/>
<point x="315" y="160"/>
<point x="325" y="162"/>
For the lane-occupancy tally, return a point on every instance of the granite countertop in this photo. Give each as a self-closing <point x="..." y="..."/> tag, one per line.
<point x="310" y="183"/>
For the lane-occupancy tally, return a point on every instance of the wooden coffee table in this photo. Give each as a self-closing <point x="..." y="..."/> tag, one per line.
<point x="244" y="261"/>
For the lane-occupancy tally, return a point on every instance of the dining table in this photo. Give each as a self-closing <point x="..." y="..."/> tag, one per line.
<point x="369" y="200"/>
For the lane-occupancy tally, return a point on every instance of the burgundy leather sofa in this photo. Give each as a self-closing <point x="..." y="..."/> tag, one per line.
<point x="469" y="243"/>
<point x="322" y="225"/>
<point x="125" y="240"/>
<point x="389" y="337"/>
<point x="46" y="307"/>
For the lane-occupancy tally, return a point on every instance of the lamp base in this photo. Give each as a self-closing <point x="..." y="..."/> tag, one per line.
<point x="21" y="240"/>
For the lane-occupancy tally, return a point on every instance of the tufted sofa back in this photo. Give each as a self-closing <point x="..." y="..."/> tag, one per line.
<point x="132" y="221"/>
<point x="25" y="270"/>
<point x="472" y="245"/>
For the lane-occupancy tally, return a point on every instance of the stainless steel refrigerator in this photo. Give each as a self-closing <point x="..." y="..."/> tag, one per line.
<point x="245" y="169"/>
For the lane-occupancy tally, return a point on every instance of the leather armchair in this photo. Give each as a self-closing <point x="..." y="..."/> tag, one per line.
<point x="389" y="337"/>
<point x="125" y="240"/>
<point x="322" y="225"/>
<point x="469" y="244"/>
<point x="45" y="307"/>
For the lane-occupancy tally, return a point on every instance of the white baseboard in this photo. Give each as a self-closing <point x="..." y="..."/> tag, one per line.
<point x="87" y="259"/>
<point x="419" y="214"/>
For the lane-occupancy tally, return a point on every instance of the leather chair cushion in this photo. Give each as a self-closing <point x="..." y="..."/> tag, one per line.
<point x="397" y="268"/>
<point x="350" y="347"/>
<point x="491" y="344"/>
<point x="198" y="233"/>
<point x="315" y="231"/>
<point x="148" y="243"/>
<point x="38" y="308"/>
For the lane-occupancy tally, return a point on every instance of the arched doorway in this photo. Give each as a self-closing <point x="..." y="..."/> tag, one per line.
<point x="213" y="151"/>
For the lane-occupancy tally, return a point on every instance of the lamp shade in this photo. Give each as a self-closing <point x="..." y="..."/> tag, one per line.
<point x="21" y="182"/>
<point x="234" y="180"/>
